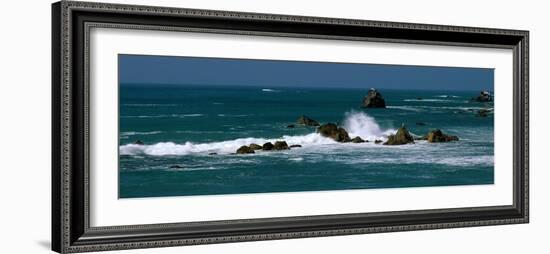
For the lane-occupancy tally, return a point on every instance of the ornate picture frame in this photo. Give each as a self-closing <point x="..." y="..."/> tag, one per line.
<point x="71" y="229"/>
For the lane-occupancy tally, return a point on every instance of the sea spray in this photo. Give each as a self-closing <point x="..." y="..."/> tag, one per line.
<point x="362" y="125"/>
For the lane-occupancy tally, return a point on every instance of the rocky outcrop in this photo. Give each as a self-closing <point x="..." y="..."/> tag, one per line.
<point x="267" y="146"/>
<point x="357" y="140"/>
<point x="378" y="141"/>
<point x="373" y="99"/>
<point x="280" y="145"/>
<point x="138" y="142"/>
<point x="304" y="120"/>
<point x="401" y="137"/>
<point x="255" y="146"/>
<point x="295" y="146"/>
<point x="334" y="132"/>
<point x="245" y="150"/>
<point x="437" y="135"/>
<point x="483" y="96"/>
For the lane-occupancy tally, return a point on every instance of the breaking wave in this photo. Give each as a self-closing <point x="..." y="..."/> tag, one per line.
<point x="356" y="123"/>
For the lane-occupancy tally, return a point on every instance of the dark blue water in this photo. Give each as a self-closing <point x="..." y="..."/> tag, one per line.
<point x="182" y="126"/>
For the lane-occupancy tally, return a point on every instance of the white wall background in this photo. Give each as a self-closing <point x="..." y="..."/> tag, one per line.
<point x="25" y="126"/>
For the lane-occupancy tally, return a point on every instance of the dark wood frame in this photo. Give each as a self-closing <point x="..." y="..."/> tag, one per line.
<point x="71" y="22"/>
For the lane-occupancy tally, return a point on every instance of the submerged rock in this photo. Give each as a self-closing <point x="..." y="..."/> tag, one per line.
<point x="244" y="150"/>
<point x="357" y="140"/>
<point x="378" y="141"/>
<point x="267" y="146"/>
<point x="291" y="126"/>
<point x="331" y="130"/>
<point x="437" y="135"/>
<point x="483" y="96"/>
<point x="280" y="145"/>
<point x="295" y="146"/>
<point x="255" y="146"/>
<point x="373" y="99"/>
<point x="176" y="166"/>
<point x="400" y="138"/>
<point x="420" y="123"/>
<point x="304" y="120"/>
<point x="139" y="142"/>
<point x="212" y="153"/>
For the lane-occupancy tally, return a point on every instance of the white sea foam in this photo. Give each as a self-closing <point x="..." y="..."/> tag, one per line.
<point x="269" y="90"/>
<point x="447" y="96"/>
<point x="164" y="116"/>
<point x="224" y="147"/>
<point x="362" y="125"/>
<point x="131" y="133"/>
<point x="407" y="108"/>
<point x="429" y="100"/>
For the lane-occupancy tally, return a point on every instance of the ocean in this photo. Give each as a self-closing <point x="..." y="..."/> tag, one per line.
<point x="190" y="135"/>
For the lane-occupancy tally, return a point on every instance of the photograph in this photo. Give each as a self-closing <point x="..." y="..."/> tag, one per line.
<point x="218" y="126"/>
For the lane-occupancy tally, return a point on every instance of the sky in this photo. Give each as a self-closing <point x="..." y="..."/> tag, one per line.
<point x="175" y="70"/>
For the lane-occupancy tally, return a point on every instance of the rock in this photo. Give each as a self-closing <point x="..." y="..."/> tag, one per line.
<point x="291" y="126"/>
<point x="139" y="142"/>
<point x="483" y="96"/>
<point x="357" y="140"/>
<point x="374" y="99"/>
<point x="418" y="98"/>
<point x="244" y="150"/>
<point x="212" y="153"/>
<point x="304" y="120"/>
<point x="437" y="135"/>
<point x="378" y="141"/>
<point x="295" y="146"/>
<point x="420" y="123"/>
<point x="267" y="146"/>
<point x="483" y="112"/>
<point x="176" y="166"/>
<point x="400" y="138"/>
<point x="255" y="146"/>
<point x="331" y="130"/>
<point x="280" y="145"/>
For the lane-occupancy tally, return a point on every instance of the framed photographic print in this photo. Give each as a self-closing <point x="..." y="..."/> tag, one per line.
<point x="181" y="126"/>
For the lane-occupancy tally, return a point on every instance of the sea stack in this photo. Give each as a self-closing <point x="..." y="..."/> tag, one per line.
<point x="401" y="137"/>
<point x="374" y="99"/>
<point x="484" y="96"/>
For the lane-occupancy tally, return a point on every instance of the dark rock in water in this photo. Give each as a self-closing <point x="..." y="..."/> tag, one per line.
<point x="295" y="146"/>
<point x="176" y="166"/>
<point x="357" y="140"/>
<point x="291" y="126"/>
<point x="483" y="96"/>
<point x="212" y="153"/>
<point x="373" y="99"/>
<point x="378" y="141"/>
<point x="437" y="135"/>
<point x="267" y="146"/>
<point x="331" y="130"/>
<point x="244" y="150"/>
<point x="280" y="145"/>
<point x="483" y="112"/>
<point x="418" y="98"/>
<point x="420" y="123"/>
<point x="401" y="137"/>
<point x="307" y="121"/>
<point x="139" y="142"/>
<point x="255" y="146"/>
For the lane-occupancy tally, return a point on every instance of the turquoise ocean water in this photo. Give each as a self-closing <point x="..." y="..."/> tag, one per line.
<point x="181" y="126"/>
